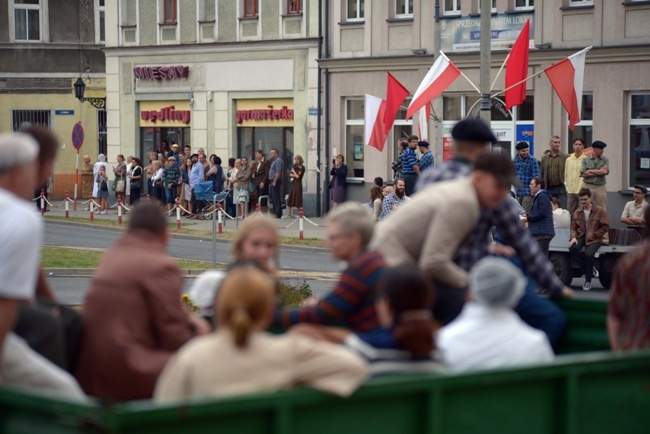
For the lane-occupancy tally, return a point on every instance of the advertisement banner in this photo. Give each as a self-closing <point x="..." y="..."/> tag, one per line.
<point x="463" y="34"/>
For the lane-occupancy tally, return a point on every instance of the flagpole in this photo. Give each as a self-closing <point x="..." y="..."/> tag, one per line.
<point x="517" y="84"/>
<point x="499" y="72"/>
<point x="470" y="81"/>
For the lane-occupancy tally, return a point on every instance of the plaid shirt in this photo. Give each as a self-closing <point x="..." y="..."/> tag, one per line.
<point x="388" y="202"/>
<point x="506" y="220"/>
<point x="526" y="169"/>
<point x="426" y="161"/>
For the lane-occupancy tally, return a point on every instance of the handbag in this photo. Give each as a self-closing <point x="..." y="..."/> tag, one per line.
<point x="114" y="184"/>
<point x="120" y="186"/>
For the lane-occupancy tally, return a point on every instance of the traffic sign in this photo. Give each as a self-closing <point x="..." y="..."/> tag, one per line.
<point x="77" y="136"/>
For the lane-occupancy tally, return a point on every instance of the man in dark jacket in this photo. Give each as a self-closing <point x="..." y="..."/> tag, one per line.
<point x="540" y="217"/>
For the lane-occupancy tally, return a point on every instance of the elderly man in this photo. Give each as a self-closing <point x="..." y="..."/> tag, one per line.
<point x="527" y="168"/>
<point x="21" y="234"/>
<point x="488" y="334"/>
<point x="553" y="169"/>
<point x="352" y="302"/>
<point x="133" y="319"/>
<point x="446" y="215"/>
<point x="260" y="174"/>
<point x="275" y="181"/>
<point x="633" y="213"/>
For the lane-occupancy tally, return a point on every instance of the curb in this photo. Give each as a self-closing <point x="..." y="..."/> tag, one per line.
<point x="89" y="272"/>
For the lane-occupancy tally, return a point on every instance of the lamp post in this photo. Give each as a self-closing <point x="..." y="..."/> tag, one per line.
<point x="80" y="88"/>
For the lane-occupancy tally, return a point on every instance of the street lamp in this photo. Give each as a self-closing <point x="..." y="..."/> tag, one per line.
<point x="80" y="88"/>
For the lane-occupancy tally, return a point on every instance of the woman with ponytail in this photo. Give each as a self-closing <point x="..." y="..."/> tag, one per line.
<point x="405" y="342"/>
<point x="240" y="357"/>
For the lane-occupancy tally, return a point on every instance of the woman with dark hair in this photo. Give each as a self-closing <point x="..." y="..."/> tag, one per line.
<point x="136" y="180"/>
<point x="215" y="174"/>
<point x="338" y="183"/>
<point x="376" y="200"/>
<point x="405" y="342"/>
<point x="295" y="195"/>
<point x="231" y="179"/>
<point x="187" y="189"/>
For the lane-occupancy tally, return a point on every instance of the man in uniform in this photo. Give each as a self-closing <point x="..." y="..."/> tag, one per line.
<point x="594" y="170"/>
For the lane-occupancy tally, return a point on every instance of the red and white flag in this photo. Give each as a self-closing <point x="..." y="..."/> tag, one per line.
<point x="375" y="131"/>
<point x="567" y="77"/>
<point x="517" y="69"/>
<point x="441" y="75"/>
<point x="396" y="93"/>
<point x="423" y="122"/>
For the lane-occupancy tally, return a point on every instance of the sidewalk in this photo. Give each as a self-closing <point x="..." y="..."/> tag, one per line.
<point x="314" y="227"/>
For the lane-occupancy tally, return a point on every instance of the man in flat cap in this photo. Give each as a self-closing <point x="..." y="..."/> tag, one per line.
<point x="471" y="137"/>
<point x="635" y="209"/>
<point x="594" y="170"/>
<point x="527" y="168"/>
<point x="427" y="157"/>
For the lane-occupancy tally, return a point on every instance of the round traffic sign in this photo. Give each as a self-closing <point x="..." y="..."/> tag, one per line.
<point x="77" y="136"/>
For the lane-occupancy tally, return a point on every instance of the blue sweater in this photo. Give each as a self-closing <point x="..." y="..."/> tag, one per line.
<point x="540" y="217"/>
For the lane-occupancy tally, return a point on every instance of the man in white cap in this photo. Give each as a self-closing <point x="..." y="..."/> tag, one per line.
<point x="488" y="333"/>
<point x="21" y="234"/>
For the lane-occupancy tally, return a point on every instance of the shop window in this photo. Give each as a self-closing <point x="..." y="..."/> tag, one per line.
<point x="403" y="8"/>
<point x="250" y="8"/>
<point x="575" y="3"/>
<point x="524" y="4"/>
<point x="585" y="128"/>
<point x="639" y="140"/>
<point x="100" y="27"/>
<point x="355" y="10"/>
<point x="27" y="20"/>
<point x="493" y="8"/>
<point x="451" y="7"/>
<point x="169" y="11"/>
<point x="25" y="118"/>
<point x="354" y="137"/>
<point x="294" y="7"/>
<point x="451" y="108"/>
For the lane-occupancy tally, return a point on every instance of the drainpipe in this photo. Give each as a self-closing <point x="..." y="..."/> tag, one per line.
<point x="327" y="106"/>
<point x="319" y="104"/>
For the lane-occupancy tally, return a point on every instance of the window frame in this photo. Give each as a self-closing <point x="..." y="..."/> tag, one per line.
<point x="527" y="7"/>
<point x="358" y="18"/>
<point x="99" y="9"/>
<point x="294" y="11"/>
<point x="582" y="123"/>
<point x="348" y="123"/>
<point x="630" y="123"/>
<point x="44" y="115"/>
<point x="579" y="3"/>
<point x="406" y="13"/>
<point x="493" y="9"/>
<point x="174" y="17"/>
<point x="41" y="7"/>
<point x="254" y="13"/>
<point x="452" y="12"/>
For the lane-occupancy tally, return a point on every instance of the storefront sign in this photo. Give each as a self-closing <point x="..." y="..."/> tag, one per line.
<point x="161" y="72"/>
<point x="463" y="34"/>
<point x="265" y="113"/>
<point x="165" y="114"/>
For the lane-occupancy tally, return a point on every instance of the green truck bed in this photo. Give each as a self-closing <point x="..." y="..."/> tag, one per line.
<point x="588" y="392"/>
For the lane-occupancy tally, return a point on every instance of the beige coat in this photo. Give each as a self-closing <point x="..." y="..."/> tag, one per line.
<point x="428" y="230"/>
<point x="212" y="366"/>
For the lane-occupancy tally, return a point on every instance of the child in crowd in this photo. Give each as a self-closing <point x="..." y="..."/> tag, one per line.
<point x="170" y="180"/>
<point x="241" y="358"/>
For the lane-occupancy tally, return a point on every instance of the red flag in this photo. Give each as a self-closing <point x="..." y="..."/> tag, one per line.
<point x="441" y="75"/>
<point x="567" y="77"/>
<point x="374" y="130"/>
<point x="395" y="96"/>
<point x="517" y="68"/>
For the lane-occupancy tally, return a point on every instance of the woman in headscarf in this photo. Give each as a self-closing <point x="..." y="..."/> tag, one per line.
<point x="98" y="164"/>
<point x="87" y="179"/>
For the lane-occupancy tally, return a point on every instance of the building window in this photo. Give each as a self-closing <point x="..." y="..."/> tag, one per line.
<point x="451" y="7"/>
<point x="102" y="147"/>
<point x="573" y="3"/>
<point x="250" y="8"/>
<point x="27" y="20"/>
<point x="402" y="129"/>
<point x="24" y="118"/>
<point x="524" y="4"/>
<point x="356" y="10"/>
<point x="494" y="6"/>
<point x="403" y="8"/>
<point x="100" y="28"/>
<point x="585" y="128"/>
<point x="294" y="7"/>
<point x="169" y="11"/>
<point x="639" y="140"/>
<point x="354" y="137"/>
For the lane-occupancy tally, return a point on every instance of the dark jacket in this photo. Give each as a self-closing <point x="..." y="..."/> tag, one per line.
<point x="261" y="175"/>
<point x="540" y="217"/>
<point x="598" y="225"/>
<point x="341" y="173"/>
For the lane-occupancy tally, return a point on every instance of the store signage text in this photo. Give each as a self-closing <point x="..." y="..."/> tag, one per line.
<point x="264" y="114"/>
<point x="161" y="72"/>
<point x="166" y="114"/>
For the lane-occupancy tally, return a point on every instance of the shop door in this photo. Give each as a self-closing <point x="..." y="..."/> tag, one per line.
<point x="151" y="139"/>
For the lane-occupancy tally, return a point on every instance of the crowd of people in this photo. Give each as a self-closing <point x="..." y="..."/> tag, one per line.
<point x="425" y="290"/>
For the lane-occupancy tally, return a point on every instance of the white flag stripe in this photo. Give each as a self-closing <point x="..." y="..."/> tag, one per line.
<point x="578" y="62"/>
<point x="372" y="109"/>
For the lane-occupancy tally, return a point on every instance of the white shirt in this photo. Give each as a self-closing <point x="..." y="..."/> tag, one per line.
<point x="158" y="175"/>
<point x="482" y="338"/>
<point x="561" y="219"/>
<point x="21" y="235"/>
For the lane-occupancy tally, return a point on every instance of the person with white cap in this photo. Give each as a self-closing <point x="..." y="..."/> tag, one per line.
<point x="100" y="163"/>
<point x="488" y="333"/>
<point x="21" y="233"/>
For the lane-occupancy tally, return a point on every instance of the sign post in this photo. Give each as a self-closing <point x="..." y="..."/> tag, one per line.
<point x="77" y="142"/>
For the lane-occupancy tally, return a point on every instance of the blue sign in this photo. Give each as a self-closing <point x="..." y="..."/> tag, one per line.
<point x="526" y="133"/>
<point x="77" y="136"/>
<point x="64" y="112"/>
<point x="463" y="34"/>
<point x="313" y="111"/>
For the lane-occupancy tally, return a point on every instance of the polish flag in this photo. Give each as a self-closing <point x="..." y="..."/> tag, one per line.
<point x="396" y="93"/>
<point x="423" y="122"/>
<point x="517" y="68"/>
<point x="441" y="75"/>
<point x="567" y="77"/>
<point x="375" y="131"/>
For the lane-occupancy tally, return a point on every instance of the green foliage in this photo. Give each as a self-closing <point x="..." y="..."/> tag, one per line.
<point x="293" y="295"/>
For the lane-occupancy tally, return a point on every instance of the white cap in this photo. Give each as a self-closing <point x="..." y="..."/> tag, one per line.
<point x="496" y="282"/>
<point x="204" y="290"/>
<point x="16" y="149"/>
